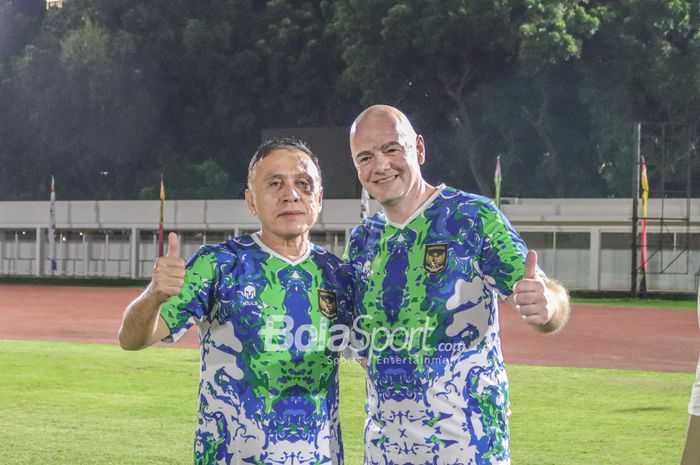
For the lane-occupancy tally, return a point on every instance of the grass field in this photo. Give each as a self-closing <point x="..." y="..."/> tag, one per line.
<point x="686" y="305"/>
<point x="74" y="404"/>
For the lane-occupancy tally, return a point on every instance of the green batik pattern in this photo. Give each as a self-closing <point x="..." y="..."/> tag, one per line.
<point x="441" y="399"/>
<point x="413" y="309"/>
<point x="179" y="311"/>
<point x="266" y="395"/>
<point x="272" y="369"/>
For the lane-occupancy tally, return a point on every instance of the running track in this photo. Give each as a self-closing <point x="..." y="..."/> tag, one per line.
<point x="596" y="336"/>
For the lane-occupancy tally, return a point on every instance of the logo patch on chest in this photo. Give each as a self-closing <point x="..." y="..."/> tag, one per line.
<point x="435" y="259"/>
<point x="327" y="303"/>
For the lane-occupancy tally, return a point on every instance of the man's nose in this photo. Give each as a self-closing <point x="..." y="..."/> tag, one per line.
<point x="290" y="193"/>
<point x="381" y="162"/>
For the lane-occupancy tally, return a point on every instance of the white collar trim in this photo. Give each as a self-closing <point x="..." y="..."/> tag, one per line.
<point x="256" y="238"/>
<point x="419" y="210"/>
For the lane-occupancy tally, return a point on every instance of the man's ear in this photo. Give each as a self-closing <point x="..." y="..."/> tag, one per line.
<point x="320" y="198"/>
<point x="250" y="200"/>
<point x="420" y="149"/>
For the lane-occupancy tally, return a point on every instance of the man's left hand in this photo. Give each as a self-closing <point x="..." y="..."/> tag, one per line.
<point x="531" y="296"/>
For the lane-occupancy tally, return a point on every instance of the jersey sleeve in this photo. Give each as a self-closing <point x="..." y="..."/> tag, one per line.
<point x="196" y="299"/>
<point x="503" y="252"/>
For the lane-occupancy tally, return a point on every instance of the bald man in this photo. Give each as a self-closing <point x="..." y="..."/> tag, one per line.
<point x="691" y="452"/>
<point x="429" y="270"/>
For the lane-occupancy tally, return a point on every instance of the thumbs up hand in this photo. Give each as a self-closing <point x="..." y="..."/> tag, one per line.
<point x="169" y="272"/>
<point x="173" y="246"/>
<point x="531" y="265"/>
<point x="531" y="296"/>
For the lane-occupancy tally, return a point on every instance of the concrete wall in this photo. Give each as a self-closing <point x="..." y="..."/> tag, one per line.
<point x="583" y="242"/>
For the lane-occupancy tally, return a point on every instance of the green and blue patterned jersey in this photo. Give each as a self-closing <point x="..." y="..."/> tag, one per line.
<point x="427" y="321"/>
<point x="270" y="331"/>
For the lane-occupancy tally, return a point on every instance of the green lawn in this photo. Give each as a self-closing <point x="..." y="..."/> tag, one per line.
<point x="578" y="416"/>
<point x="630" y="302"/>
<point x="69" y="404"/>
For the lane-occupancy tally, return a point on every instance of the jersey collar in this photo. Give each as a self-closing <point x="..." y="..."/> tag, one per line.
<point x="419" y="210"/>
<point x="265" y="248"/>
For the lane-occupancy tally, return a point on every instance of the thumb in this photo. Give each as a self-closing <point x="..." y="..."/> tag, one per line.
<point x="173" y="245"/>
<point x="531" y="264"/>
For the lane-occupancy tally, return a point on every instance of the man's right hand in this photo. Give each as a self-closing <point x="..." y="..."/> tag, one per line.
<point x="169" y="272"/>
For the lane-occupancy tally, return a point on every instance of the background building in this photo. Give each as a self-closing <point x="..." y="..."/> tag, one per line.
<point x="585" y="243"/>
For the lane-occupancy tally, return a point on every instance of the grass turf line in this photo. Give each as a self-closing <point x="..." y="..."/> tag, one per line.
<point x="683" y="305"/>
<point x="68" y="403"/>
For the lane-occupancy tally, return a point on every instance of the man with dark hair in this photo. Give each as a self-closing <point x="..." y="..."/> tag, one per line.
<point x="429" y="270"/>
<point x="283" y="143"/>
<point x="272" y="312"/>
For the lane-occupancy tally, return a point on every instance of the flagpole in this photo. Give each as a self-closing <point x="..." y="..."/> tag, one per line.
<point x="364" y="204"/>
<point x="497" y="181"/>
<point x="643" y="240"/>
<point x="635" y="200"/>
<point x="52" y="226"/>
<point x="160" y="223"/>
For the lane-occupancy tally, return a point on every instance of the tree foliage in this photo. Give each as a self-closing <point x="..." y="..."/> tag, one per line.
<point x="109" y="94"/>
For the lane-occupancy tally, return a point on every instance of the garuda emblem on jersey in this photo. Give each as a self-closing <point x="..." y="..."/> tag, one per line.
<point x="435" y="258"/>
<point x="327" y="303"/>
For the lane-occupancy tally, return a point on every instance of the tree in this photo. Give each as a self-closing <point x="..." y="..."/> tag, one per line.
<point x="642" y="65"/>
<point x="431" y="56"/>
<point x="19" y="22"/>
<point x="448" y="59"/>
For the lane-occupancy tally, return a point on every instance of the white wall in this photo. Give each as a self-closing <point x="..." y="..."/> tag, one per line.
<point x="118" y="236"/>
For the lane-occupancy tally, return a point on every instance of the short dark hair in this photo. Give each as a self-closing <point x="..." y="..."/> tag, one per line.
<point x="279" y="143"/>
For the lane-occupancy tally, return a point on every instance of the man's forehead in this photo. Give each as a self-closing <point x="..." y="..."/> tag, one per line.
<point x="379" y="122"/>
<point x="287" y="162"/>
<point x="376" y="137"/>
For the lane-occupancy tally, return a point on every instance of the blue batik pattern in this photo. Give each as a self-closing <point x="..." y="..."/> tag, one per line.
<point x="437" y="391"/>
<point x="268" y="392"/>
